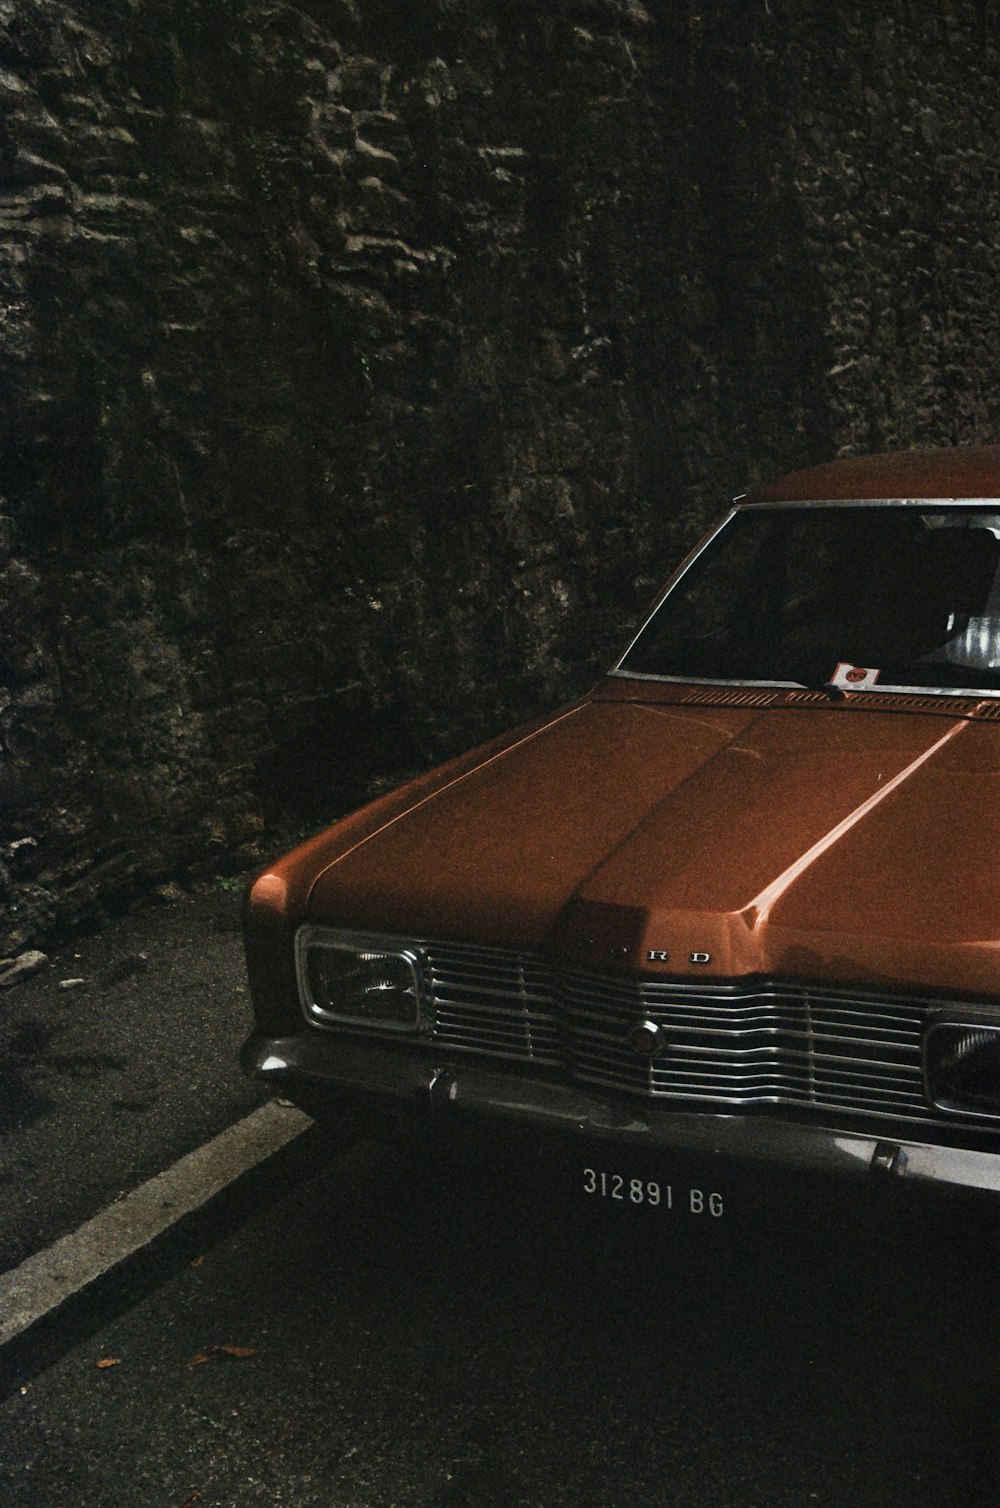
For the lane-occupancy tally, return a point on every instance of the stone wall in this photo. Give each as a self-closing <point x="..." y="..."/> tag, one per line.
<point x="365" y="365"/>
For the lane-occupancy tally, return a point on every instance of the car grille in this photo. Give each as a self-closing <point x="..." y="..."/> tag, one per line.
<point x="489" y="1000"/>
<point x="729" y="1047"/>
<point x="737" y="1047"/>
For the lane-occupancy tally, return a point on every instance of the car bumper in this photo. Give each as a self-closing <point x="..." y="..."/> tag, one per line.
<point x="365" y="1085"/>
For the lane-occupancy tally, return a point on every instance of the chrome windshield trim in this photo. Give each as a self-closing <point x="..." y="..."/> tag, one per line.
<point x="881" y="688"/>
<point x="869" y="502"/>
<point x="699" y="680"/>
<point x="673" y="581"/>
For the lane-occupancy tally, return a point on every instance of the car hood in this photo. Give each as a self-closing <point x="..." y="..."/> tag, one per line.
<point x="825" y="843"/>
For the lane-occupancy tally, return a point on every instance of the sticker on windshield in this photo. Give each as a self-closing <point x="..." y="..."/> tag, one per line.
<point x="853" y="677"/>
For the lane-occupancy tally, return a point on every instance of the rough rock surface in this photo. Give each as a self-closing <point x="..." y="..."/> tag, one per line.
<point x="365" y="364"/>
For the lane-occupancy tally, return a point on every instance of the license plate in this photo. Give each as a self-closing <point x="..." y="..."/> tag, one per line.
<point x="653" y="1194"/>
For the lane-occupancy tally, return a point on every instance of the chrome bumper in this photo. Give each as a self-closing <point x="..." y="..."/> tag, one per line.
<point x="395" y="1085"/>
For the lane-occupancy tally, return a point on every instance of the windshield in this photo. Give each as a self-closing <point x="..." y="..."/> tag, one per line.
<point x="844" y="594"/>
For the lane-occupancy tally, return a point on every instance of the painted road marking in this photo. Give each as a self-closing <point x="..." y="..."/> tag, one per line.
<point x="44" y="1281"/>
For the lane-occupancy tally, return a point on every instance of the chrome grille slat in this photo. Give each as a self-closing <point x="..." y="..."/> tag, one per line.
<point x="729" y="1046"/>
<point x="722" y="1035"/>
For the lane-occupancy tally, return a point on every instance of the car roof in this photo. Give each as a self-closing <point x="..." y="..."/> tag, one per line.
<point x="955" y="472"/>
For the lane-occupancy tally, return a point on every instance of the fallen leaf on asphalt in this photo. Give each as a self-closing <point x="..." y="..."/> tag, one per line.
<point x="215" y="1352"/>
<point x="191" y="1499"/>
<point x="195" y="1262"/>
<point x="109" y="1361"/>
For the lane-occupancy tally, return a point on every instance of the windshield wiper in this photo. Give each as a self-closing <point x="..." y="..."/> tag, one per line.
<point x="835" y="693"/>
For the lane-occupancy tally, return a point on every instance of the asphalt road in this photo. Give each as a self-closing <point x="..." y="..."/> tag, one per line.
<point x="104" y="1084"/>
<point x="359" y="1330"/>
<point x="467" y="1338"/>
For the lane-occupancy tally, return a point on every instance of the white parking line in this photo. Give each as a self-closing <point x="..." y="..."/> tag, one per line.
<point x="44" y="1281"/>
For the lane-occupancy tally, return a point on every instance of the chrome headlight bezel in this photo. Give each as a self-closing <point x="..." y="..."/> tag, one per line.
<point x="399" y="956"/>
<point x="948" y="1038"/>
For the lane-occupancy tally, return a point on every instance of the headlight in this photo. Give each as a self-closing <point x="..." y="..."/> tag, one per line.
<point x="962" y="1066"/>
<point x="352" y="980"/>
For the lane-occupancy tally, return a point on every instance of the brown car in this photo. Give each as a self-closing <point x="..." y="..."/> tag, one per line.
<point x="738" y="909"/>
